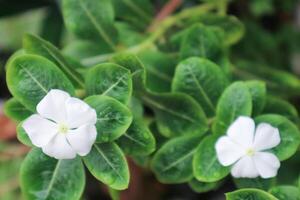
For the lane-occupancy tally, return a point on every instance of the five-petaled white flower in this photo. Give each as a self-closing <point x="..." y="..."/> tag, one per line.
<point x="63" y="127"/>
<point x="245" y="149"/>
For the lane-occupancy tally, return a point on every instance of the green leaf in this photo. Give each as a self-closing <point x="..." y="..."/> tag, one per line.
<point x="202" y="41"/>
<point x="15" y="110"/>
<point x="138" y="139"/>
<point x="35" y="45"/>
<point x="43" y="177"/>
<point x="286" y="192"/>
<point x="289" y="135"/>
<point x="258" y="93"/>
<point x="159" y="138"/>
<point x="259" y="183"/>
<point x="251" y="194"/>
<point x="232" y="26"/>
<point x="30" y="77"/>
<point x="160" y="69"/>
<point x="128" y="35"/>
<point x="202" y="79"/>
<point x="108" y="164"/>
<point x="282" y="107"/>
<point x="110" y="80"/>
<point x="113" y="118"/>
<point x="202" y="187"/>
<point x="205" y="163"/>
<point x="176" y="114"/>
<point x="173" y="161"/>
<point x="22" y="136"/>
<point x="235" y="101"/>
<point x="134" y="65"/>
<point x="136" y="107"/>
<point x="90" y="19"/>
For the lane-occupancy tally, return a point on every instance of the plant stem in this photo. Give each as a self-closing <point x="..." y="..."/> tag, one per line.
<point x="161" y="30"/>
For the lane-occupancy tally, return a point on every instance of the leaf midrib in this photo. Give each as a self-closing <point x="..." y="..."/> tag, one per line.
<point x="179" y="160"/>
<point x="51" y="183"/>
<point x="114" y="85"/>
<point x="137" y="10"/>
<point x="134" y="140"/>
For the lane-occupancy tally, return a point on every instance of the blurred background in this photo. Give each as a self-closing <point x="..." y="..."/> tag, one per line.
<point x="272" y="38"/>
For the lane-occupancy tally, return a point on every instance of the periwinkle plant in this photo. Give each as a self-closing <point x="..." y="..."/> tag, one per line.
<point x="181" y="69"/>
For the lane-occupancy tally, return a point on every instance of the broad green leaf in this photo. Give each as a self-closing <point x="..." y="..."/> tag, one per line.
<point x="251" y="194"/>
<point x="172" y="163"/>
<point x="22" y="136"/>
<point x="160" y="68"/>
<point x="233" y="28"/>
<point x="137" y="12"/>
<point x="202" y="41"/>
<point x="235" y="101"/>
<point x="128" y="35"/>
<point x="30" y="77"/>
<point x="138" y="139"/>
<point x="43" y="177"/>
<point x="282" y="107"/>
<point x="286" y="192"/>
<point x="35" y="45"/>
<point x="202" y="187"/>
<point x="288" y="172"/>
<point x="201" y="79"/>
<point x="258" y="93"/>
<point x="90" y="19"/>
<point x="159" y="138"/>
<point x="176" y="114"/>
<point x="136" y="107"/>
<point x="259" y="183"/>
<point x="108" y="164"/>
<point x="289" y="134"/>
<point x="205" y="163"/>
<point x="15" y="110"/>
<point x="110" y="80"/>
<point x="134" y="65"/>
<point x="113" y="118"/>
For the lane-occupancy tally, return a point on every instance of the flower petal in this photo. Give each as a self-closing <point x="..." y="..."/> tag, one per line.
<point x="267" y="164"/>
<point x="39" y="130"/>
<point x="59" y="148"/>
<point x="82" y="139"/>
<point x="228" y="152"/>
<point x="266" y="137"/>
<point x="244" y="168"/>
<point x="242" y="131"/>
<point x="80" y="113"/>
<point x="52" y="106"/>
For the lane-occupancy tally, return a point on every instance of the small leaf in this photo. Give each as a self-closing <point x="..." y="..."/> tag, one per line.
<point x="90" y="19"/>
<point x="172" y="163"/>
<point x="253" y="194"/>
<point x="205" y="163"/>
<point x="35" y="45"/>
<point x="30" y="77"/>
<point x="176" y="114"/>
<point x="235" y="101"/>
<point x="137" y="140"/>
<point x="282" y="107"/>
<point x="22" y="136"/>
<point x="202" y="41"/>
<point x="286" y="192"/>
<point x="113" y="118"/>
<point x="15" y="110"/>
<point x="110" y="80"/>
<point x="259" y="183"/>
<point x="160" y="68"/>
<point x="43" y="177"/>
<point x="136" y="107"/>
<point x="258" y="93"/>
<point x="108" y="164"/>
<point x="289" y="135"/>
<point x="201" y="79"/>
<point x="202" y="187"/>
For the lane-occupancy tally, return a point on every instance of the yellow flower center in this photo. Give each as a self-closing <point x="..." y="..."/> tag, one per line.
<point x="250" y="152"/>
<point x="63" y="128"/>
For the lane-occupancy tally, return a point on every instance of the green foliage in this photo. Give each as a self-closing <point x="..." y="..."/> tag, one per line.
<point x="43" y="177"/>
<point x="259" y="183"/>
<point x="202" y="187"/>
<point x="108" y="164"/>
<point x="253" y="194"/>
<point x="258" y="93"/>
<point x="15" y="110"/>
<point x="173" y="161"/>
<point x="113" y="118"/>
<point x="286" y="192"/>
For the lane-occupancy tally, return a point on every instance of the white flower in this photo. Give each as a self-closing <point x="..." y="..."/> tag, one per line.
<point x="245" y="149"/>
<point x="63" y="127"/>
